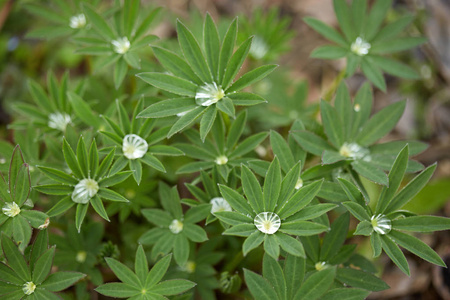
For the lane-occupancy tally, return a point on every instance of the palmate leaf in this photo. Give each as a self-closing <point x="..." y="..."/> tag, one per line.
<point x="259" y="287"/>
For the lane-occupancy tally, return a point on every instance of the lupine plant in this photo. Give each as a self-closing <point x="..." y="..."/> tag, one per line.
<point x="285" y="200"/>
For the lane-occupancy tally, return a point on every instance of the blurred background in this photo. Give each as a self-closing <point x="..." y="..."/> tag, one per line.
<point x="292" y="91"/>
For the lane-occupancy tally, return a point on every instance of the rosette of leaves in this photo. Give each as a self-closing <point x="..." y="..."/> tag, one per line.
<point x="137" y="143"/>
<point x="274" y="213"/>
<point x="16" y="216"/>
<point x="67" y="18"/>
<point x="289" y="152"/>
<point x="200" y="269"/>
<point x="203" y="78"/>
<point x="52" y="111"/>
<point x="351" y="270"/>
<point x="271" y="34"/>
<point x="118" y="41"/>
<point x="363" y="41"/>
<point x="385" y="224"/>
<point x="210" y="192"/>
<point x="143" y="283"/>
<point x="28" y="277"/>
<point x="88" y="183"/>
<point x="174" y="229"/>
<point x="78" y="251"/>
<point x="352" y="136"/>
<point x="223" y="150"/>
<point x="289" y="280"/>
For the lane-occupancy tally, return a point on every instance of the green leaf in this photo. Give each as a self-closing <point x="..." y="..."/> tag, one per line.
<point x="105" y="164"/>
<point x="40" y="245"/>
<point x="197" y="213"/>
<point x="241" y="230"/>
<point x="311" y="142"/>
<point x="252" y="189"/>
<point x="375" y="243"/>
<point x="14" y="167"/>
<point x="83" y="110"/>
<point x="302" y="228"/>
<point x="173" y="287"/>
<point x="274" y="274"/>
<point x="40" y="97"/>
<point x="171" y="201"/>
<point x="272" y="186"/>
<point x="271" y="246"/>
<point x="359" y="15"/>
<point x="8" y="275"/>
<point x="22" y="185"/>
<point x="416" y="246"/>
<point x="175" y="64"/>
<point x="316" y="285"/>
<point x="395" y="179"/>
<point x="211" y="43"/>
<point x="252" y="241"/>
<point x="343" y="14"/>
<point x="227" y="48"/>
<point x="98" y="22"/>
<point x="97" y="204"/>
<point x="61" y="207"/>
<point x="335" y="238"/>
<point x="360" y="279"/>
<point x="232" y="217"/>
<point x="248" y="145"/>
<point x="376" y="17"/>
<point x="82" y="157"/>
<point x="207" y="121"/>
<point x="192" y="52"/>
<point x="411" y="189"/>
<point x="169" y="83"/>
<point x="195" y="233"/>
<point x="123" y="272"/>
<point x="394" y="28"/>
<point x="111" y="195"/>
<point x="181" y="249"/>
<point x="299" y="200"/>
<point x="291" y="245"/>
<point x="327" y="31"/>
<point x="251" y="77"/>
<point x="329" y="52"/>
<point x="118" y="290"/>
<point x="93" y="159"/>
<point x="71" y="160"/>
<point x="370" y="171"/>
<point x="227" y="106"/>
<point x="422" y="223"/>
<point x="394" y="67"/>
<point x="330" y="157"/>
<point x="168" y="107"/>
<point x="373" y="73"/>
<point x="164" y="150"/>
<point x="245" y="99"/>
<point x="114" y="179"/>
<point x="158" y="270"/>
<point x="332" y="124"/>
<point x="294" y="272"/>
<point x="15" y="259"/>
<point x="186" y="120"/>
<point x="396" y="45"/>
<point x="136" y="167"/>
<point x="259" y="287"/>
<point x="395" y="254"/>
<point x="153" y="162"/>
<point x="289" y="182"/>
<point x="21" y="231"/>
<point x="357" y="211"/>
<point x="61" y="280"/>
<point x="281" y="149"/>
<point x="43" y="266"/>
<point x="80" y="214"/>
<point x="54" y="189"/>
<point x="381" y="123"/>
<point x="364" y="228"/>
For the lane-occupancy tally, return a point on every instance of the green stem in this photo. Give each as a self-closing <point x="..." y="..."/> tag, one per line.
<point x="336" y="82"/>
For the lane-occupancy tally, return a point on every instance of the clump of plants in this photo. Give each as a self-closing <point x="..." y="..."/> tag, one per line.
<point x="146" y="177"/>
